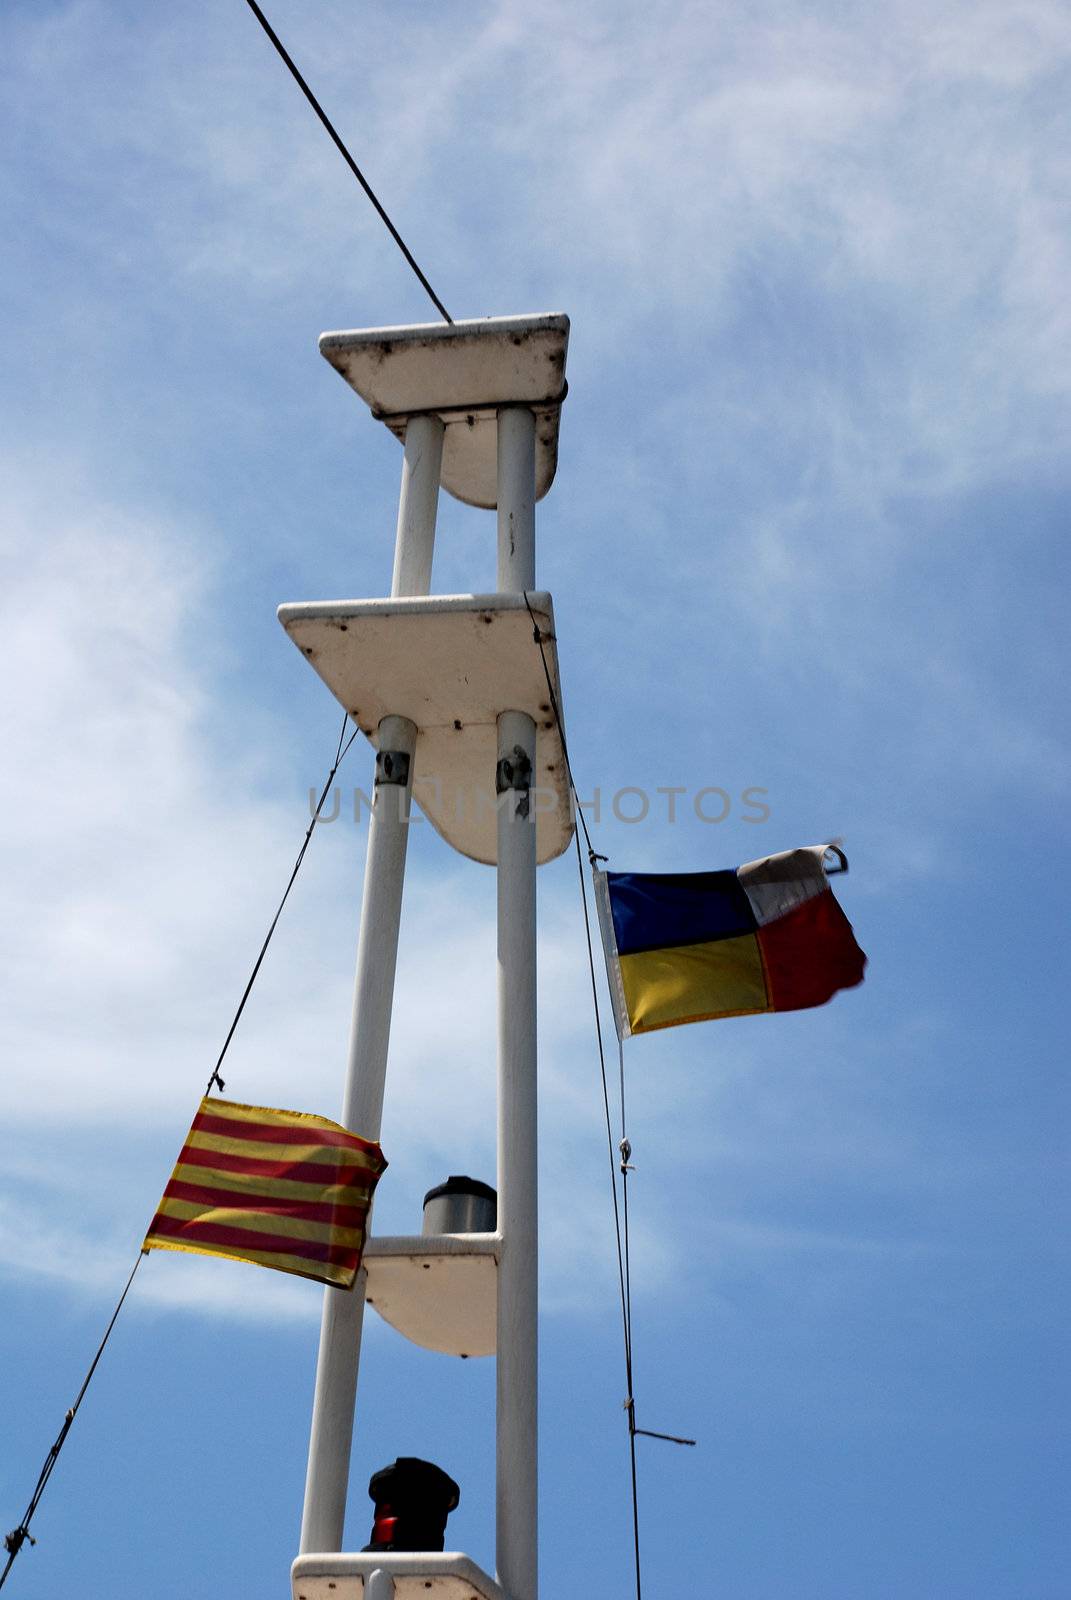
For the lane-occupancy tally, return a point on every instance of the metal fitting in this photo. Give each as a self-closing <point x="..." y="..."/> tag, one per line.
<point x="514" y="772"/>
<point x="392" y="766"/>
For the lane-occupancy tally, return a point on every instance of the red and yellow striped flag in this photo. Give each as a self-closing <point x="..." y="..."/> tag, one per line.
<point x="281" y="1189"/>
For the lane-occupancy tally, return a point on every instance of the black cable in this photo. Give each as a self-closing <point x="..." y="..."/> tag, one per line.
<point x="606" y="1103"/>
<point x="620" y="1211"/>
<point x="626" y="1149"/>
<point x="592" y="855"/>
<point x="621" y="1218"/>
<point x="620" y="1231"/>
<point x="15" y="1540"/>
<point x="354" y="168"/>
<point x="340" y="756"/>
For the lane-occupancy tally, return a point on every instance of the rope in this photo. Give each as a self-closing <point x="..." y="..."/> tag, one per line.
<point x="623" y="1160"/>
<point x="215" y="1081"/>
<point x="620" y="1224"/>
<point x="538" y="636"/>
<point x="348" y="159"/>
<point x="19" y="1536"/>
<point x="14" y="1541"/>
<point x="625" y="1151"/>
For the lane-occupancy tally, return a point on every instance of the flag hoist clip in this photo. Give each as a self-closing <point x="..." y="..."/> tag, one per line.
<point x="460" y="695"/>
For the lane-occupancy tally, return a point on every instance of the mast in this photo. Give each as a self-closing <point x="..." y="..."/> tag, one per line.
<point x="516" y="1385"/>
<point x="452" y="692"/>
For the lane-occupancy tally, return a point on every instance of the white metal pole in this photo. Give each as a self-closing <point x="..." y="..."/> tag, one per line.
<point x="327" y="1478"/>
<point x="516" y="499"/>
<point x="517" y="1342"/>
<point x="417" y="503"/>
<point x="380" y="1586"/>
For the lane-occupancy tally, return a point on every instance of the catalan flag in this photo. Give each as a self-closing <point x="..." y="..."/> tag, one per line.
<point x="278" y="1188"/>
<point x="692" y="946"/>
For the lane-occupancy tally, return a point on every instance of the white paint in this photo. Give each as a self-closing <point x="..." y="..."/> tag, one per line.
<point x="516" y="499"/>
<point x="416" y="1576"/>
<point x="335" y="1395"/>
<point x="462" y="372"/>
<point x="517" y="1365"/>
<point x="345" y="641"/>
<point x="438" y="1290"/>
<point x="417" y="506"/>
<point x="442" y="660"/>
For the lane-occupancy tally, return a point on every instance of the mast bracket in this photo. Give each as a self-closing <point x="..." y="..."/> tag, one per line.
<point x="392" y="767"/>
<point x="514" y="771"/>
<point x="513" y="775"/>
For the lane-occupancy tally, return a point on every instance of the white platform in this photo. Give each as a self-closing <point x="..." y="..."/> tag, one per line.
<point x="439" y="1290"/>
<point x="341" y="1576"/>
<point x="462" y="372"/>
<point x="450" y="663"/>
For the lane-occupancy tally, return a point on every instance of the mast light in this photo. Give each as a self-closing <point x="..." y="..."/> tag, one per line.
<point x="413" y="1499"/>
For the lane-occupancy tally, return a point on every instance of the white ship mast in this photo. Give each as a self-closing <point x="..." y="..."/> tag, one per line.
<point x="452" y="691"/>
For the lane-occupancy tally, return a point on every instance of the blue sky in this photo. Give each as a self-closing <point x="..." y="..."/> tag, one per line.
<point x="809" y="535"/>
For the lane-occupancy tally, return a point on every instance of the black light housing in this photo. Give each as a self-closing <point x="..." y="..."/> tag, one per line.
<point x="413" y="1499"/>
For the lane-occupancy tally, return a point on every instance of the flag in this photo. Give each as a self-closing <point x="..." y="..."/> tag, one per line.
<point x="691" y="946"/>
<point x="281" y="1189"/>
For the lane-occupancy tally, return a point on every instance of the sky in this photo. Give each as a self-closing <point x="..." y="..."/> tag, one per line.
<point x="808" y="537"/>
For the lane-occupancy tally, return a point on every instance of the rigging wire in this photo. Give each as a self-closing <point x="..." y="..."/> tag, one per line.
<point x="624" y="1149"/>
<point x="620" y="1210"/>
<point x="14" y="1541"/>
<point x="340" y="755"/>
<point x="348" y="159"/>
<point x="538" y="636"/>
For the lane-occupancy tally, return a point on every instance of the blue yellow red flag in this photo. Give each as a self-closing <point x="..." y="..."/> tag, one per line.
<point x="692" y="946"/>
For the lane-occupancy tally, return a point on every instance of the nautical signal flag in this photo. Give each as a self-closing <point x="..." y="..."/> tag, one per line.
<point x="278" y="1188"/>
<point x="691" y="946"/>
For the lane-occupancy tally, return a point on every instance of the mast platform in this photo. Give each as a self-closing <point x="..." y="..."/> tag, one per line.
<point x="438" y="1290"/>
<point x="343" y="1576"/>
<point x="463" y="372"/>
<point x="449" y="663"/>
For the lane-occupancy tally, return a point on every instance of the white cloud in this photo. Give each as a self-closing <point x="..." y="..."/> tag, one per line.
<point x="130" y="889"/>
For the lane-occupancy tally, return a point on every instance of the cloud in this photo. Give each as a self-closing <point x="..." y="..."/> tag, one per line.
<point x="130" y="890"/>
<point x="34" y="1246"/>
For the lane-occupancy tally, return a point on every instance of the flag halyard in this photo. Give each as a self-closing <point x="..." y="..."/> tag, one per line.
<point x="280" y="1189"/>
